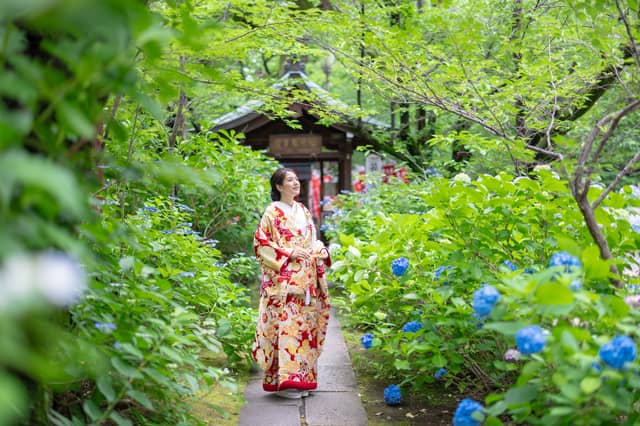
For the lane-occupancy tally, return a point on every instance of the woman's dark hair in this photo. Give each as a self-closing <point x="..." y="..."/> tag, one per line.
<point x="277" y="178"/>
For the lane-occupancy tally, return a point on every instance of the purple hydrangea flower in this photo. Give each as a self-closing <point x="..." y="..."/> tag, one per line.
<point x="400" y="266"/>
<point x="464" y="413"/>
<point x="412" y="327"/>
<point x="512" y="355"/>
<point x="484" y="299"/>
<point x="510" y="265"/>
<point x="392" y="395"/>
<point x="439" y="373"/>
<point x="530" y="340"/>
<point x="367" y="340"/>
<point x="633" y="301"/>
<point x="562" y="258"/>
<point x="617" y="352"/>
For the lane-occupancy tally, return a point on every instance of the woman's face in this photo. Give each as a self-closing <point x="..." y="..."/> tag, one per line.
<point x="290" y="186"/>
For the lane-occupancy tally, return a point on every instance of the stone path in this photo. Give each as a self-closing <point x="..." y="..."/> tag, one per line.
<point x="334" y="403"/>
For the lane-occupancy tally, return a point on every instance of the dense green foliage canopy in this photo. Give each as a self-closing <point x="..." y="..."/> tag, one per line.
<point x="108" y="171"/>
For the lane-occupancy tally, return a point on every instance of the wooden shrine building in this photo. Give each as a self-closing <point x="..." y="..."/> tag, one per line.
<point x="314" y="150"/>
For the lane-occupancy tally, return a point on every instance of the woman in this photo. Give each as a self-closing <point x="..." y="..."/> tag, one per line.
<point x="294" y="302"/>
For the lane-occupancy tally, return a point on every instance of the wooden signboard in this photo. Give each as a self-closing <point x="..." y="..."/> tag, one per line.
<point x="295" y="144"/>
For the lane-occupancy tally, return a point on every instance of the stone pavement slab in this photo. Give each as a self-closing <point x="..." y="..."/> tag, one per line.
<point x="262" y="414"/>
<point x="336" y="378"/>
<point x="335" y="409"/>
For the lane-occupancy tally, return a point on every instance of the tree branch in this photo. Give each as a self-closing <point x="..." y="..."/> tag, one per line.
<point x="617" y="179"/>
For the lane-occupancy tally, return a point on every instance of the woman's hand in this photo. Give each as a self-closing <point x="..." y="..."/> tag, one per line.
<point x="300" y="254"/>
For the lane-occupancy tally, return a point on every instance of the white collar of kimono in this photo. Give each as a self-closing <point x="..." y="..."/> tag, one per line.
<point x="294" y="212"/>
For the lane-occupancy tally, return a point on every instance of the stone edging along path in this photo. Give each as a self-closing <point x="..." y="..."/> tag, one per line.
<point x="335" y="403"/>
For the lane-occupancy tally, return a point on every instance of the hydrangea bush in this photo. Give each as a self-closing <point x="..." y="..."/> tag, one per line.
<point x="513" y="255"/>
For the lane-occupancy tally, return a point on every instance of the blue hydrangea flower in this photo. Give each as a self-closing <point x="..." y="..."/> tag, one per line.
<point x="367" y="340"/>
<point x="596" y="366"/>
<point x="575" y="285"/>
<point x="617" y="352"/>
<point x="105" y="326"/>
<point x="439" y="373"/>
<point x="528" y="270"/>
<point x="412" y="327"/>
<point x="483" y="301"/>
<point x="633" y="288"/>
<point x="187" y="274"/>
<point x="149" y="209"/>
<point x="184" y="208"/>
<point x="392" y="395"/>
<point x="562" y="258"/>
<point x="464" y="413"/>
<point x="530" y="340"/>
<point x="400" y="266"/>
<point x="438" y="273"/>
<point x="509" y="264"/>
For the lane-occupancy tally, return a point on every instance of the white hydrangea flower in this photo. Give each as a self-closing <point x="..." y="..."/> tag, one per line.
<point x="462" y="177"/>
<point x="53" y="276"/>
<point x="17" y="281"/>
<point x="59" y="278"/>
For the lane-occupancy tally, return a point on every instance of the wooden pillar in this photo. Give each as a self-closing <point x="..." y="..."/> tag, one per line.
<point x="345" y="163"/>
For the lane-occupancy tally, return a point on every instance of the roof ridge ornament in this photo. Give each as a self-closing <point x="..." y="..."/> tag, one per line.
<point x="294" y="67"/>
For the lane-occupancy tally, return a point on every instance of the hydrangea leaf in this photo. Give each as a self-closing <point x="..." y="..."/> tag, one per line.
<point x="595" y="267"/>
<point x="401" y="364"/>
<point x="553" y="294"/>
<point x="590" y="384"/>
<point x="521" y="395"/>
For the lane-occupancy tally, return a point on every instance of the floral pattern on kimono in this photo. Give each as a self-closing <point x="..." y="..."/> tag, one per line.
<point x="294" y="302"/>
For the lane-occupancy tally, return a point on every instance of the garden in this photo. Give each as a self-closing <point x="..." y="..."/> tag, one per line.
<point x="503" y="269"/>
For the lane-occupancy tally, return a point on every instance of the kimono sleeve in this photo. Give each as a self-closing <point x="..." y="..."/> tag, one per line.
<point x="268" y="252"/>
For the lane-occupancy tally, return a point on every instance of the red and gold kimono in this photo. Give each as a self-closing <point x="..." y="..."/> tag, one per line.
<point x="294" y="301"/>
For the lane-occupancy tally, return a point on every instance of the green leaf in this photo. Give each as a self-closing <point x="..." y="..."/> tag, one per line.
<point x="595" y="267"/>
<point x="590" y="384"/>
<point x="508" y="328"/>
<point x="224" y="327"/>
<point x="125" y="369"/>
<point x="14" y="400"/>
<point x="411" y="296"/>
<point x="561" y="411"/>
<point x="615" y="306"/>
<point x="91" y="409"/>
<point x="69" y="114"/>
<point x="380" y="315"/>
<point x="104" y="384"/>
<point x="120" y="421"/>
<point x="493" y="421"/>
<point x="520" y="395"/>
<point x="141" y="398"/>
<point x="553" y="294"/>
<point x="401" y="364"/>
<point x="17" y="167"/>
